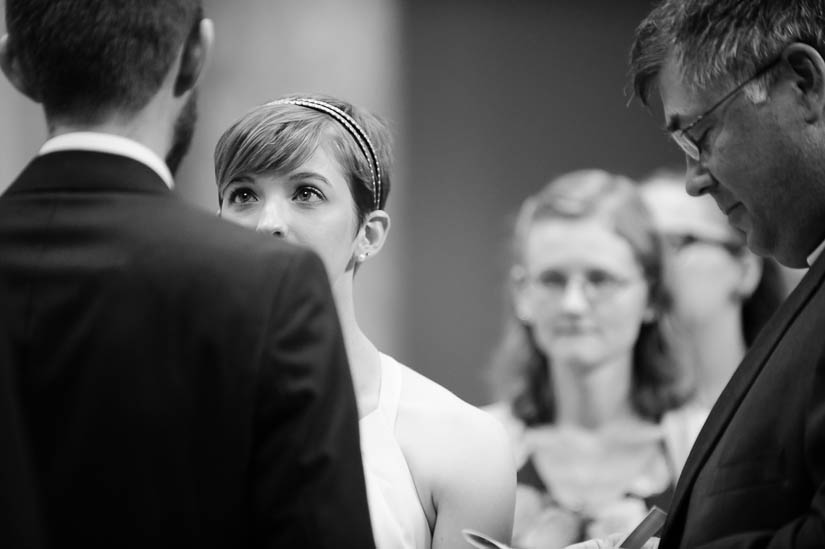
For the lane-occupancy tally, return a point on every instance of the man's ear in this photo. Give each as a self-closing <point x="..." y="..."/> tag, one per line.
<point x="10" y="63"/>
<point x="196" y="52"/>
<point x="808" y="72"/>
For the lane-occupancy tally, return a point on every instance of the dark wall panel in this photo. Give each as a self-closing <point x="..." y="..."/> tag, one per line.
<point x="500" y="97"/>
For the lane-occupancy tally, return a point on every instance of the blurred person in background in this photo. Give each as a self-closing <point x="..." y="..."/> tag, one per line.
<point x="316" y="171"/>
<point x="723" y="294"/>
<point x="592" y="393"/>
<point x="174" y="381"/>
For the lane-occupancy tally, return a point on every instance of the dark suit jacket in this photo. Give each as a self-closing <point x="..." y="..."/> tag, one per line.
<point x="756" y="475"/>
<point x="178" y="381"/>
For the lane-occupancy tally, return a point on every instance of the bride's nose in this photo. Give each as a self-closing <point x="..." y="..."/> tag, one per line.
<point x="273" y="219"/>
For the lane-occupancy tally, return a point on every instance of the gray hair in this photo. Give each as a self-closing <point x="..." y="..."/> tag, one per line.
<point x="721" y="41"/>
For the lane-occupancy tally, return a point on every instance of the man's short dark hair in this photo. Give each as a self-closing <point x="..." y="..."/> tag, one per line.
<point x="720" y="42"/>
<point x="86" y="59"/>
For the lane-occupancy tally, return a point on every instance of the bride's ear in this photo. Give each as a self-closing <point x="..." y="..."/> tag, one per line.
<point x="372" y="235"/>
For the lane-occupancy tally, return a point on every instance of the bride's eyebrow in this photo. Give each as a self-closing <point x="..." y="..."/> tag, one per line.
<point x="306" y="174"/>
<point x="239" y="180"/>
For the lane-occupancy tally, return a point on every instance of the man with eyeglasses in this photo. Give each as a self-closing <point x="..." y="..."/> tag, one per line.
<point x="742" y="87"/>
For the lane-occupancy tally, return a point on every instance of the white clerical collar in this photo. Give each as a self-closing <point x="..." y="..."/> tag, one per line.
<point x="111" y="144"/>
<point x="816" y="253"/>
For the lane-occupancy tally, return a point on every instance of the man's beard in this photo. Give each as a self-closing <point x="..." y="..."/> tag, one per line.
<point x="182" y="133"/>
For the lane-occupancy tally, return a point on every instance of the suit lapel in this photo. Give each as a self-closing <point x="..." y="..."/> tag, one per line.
<point x="737" y="388"/>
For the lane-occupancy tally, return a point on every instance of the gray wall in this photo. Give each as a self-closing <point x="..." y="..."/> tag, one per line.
<point x="502" y="96"/>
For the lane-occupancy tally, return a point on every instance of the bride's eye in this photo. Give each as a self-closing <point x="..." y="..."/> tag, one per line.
<point x="308" y="193"/>
<point x="241" y="195"/>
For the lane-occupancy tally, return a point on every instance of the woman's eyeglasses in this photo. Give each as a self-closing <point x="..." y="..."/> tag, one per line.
<point x="596" y="284"/>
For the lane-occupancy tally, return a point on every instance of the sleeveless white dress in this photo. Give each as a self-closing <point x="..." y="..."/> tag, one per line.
<point x="398" y="520"/>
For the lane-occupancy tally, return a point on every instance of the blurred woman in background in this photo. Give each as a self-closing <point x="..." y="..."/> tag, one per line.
<point x="591" y="389"/>
<point x="315" y="170"/>
<point x="722" y="293"/>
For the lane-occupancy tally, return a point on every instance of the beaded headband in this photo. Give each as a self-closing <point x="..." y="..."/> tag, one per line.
<point x="349" y="124"/>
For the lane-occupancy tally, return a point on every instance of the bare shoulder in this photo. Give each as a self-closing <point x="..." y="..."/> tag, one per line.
<point x="457" y="453"/>
<point x="430" y="412"/>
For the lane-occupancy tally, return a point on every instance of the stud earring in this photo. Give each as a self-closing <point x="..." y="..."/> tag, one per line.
<point x="362" y="257"/>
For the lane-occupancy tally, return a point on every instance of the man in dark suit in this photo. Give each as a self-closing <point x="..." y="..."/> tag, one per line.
<point x="167" y="379"/>
<point x="742" y="86"/>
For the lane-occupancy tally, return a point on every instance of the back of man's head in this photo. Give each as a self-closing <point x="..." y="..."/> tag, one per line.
<point x="86" y="60"/>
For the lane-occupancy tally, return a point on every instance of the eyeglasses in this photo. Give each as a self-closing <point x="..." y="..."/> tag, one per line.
<point x="682" y="137"/>
<point x="597" y="285"/>
<point x="680" y="241"/>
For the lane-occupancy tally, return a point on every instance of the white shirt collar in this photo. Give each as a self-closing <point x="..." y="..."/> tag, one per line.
<point x="111" y="144"/>
<point x="816" y="253"/>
